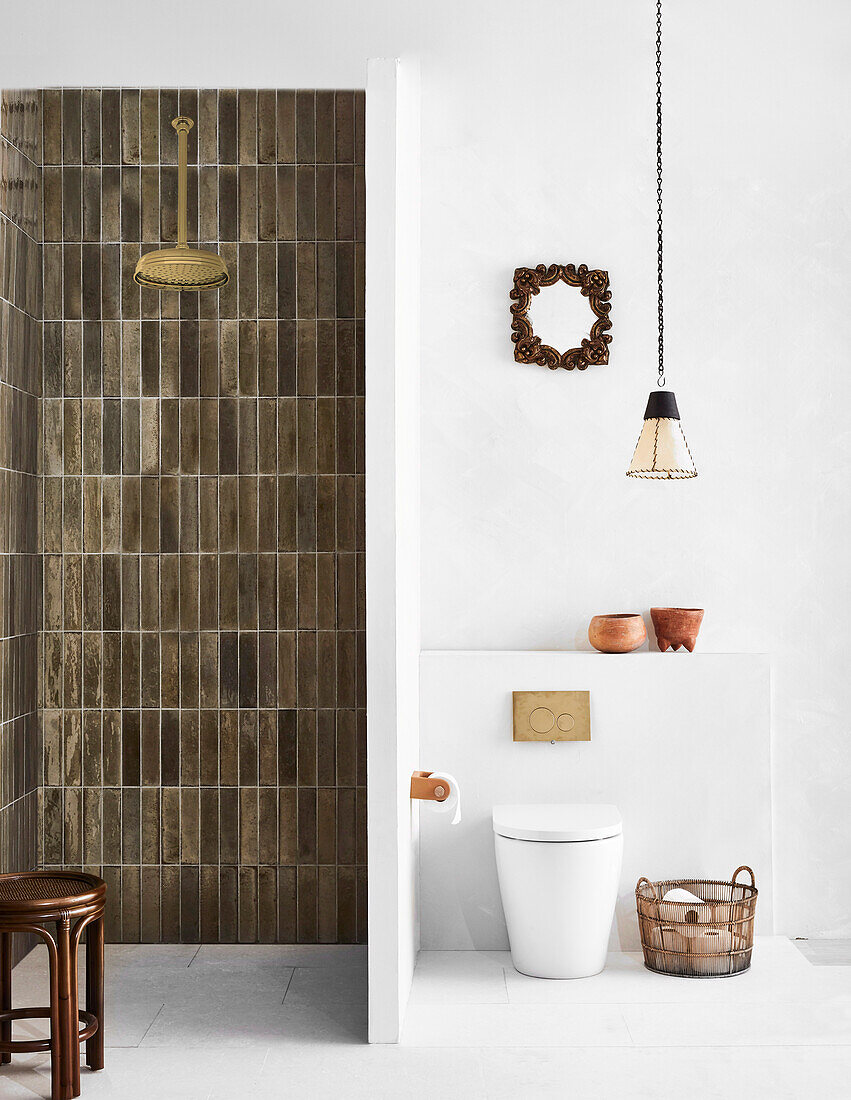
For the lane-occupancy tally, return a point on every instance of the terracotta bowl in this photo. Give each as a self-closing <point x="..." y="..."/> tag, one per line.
<point x="676" y="626"/>
<point x="617" y="633"/>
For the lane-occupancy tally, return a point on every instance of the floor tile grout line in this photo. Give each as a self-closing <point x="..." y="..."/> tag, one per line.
<point x="407" y="1045"/>
<point x="652" y="1004"/>
<point x="265" y="1060"/>
<point x="779" y="1045"/>
<point x="150" y="1025"/>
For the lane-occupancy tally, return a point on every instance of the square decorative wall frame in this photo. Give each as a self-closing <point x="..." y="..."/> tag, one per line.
<point x="593" y="285"/>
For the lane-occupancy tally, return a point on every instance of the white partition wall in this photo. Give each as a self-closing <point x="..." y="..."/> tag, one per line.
<point x="392" y="533"/>
<point x="679" y="742"/>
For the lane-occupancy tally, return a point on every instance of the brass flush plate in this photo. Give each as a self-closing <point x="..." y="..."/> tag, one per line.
<point x="552" y="715"/>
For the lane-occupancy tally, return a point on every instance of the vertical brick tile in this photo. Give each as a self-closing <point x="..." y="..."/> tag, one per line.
<point x="202" y="516"/>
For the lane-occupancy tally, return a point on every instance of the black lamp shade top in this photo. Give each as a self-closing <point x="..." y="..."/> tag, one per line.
<point x="661" y="403"/>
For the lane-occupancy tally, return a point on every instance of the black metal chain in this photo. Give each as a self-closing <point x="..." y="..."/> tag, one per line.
<point x="661" y="297"/>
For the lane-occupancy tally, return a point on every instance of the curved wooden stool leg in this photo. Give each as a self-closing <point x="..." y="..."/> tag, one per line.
<point x="5" y="990"/>
<point x="69" y="1017"/>
<point x="94" y="991"/>
<point x="55" y="1022"/>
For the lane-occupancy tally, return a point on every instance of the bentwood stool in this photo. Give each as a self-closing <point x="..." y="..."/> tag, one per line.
<point x="74" y="902"/>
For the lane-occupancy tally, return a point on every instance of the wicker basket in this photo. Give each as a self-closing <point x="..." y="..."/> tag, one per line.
<point x="713" y="939"/>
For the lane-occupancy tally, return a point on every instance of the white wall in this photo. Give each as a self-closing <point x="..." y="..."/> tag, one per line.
<point x="679" y="743"/>
<point x="537" y="146"/>
<point x="530" y="526"/>
<point x="392" y="536"/>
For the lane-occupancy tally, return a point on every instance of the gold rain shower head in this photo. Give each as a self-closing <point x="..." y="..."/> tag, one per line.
<point x="181" y="268"/>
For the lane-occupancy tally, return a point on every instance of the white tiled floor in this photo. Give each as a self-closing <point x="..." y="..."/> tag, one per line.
<point x="826" y="952"/>
<point x="781" y="1030"/>
<point x="209" y="1022"/>
<point x="212" y="1023"/>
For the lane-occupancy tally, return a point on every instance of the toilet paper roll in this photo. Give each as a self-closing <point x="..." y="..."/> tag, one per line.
<point x="697" y="938"/>
<point x="450" y="804"/>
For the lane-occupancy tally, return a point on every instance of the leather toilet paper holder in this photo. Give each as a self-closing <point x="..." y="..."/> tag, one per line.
<point x="433" y="790"/>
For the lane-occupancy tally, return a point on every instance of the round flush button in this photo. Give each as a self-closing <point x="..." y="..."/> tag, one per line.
<point x="566" y="723"/>
<point x="541" y="720"/>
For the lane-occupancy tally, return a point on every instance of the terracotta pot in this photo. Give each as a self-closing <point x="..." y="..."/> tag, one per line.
<point x="676" y="626"/>
<point x="617" y="633"/>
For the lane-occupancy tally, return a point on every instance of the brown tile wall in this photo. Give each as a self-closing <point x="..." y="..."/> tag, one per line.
<point x="203" y="670"/>
<point x="20" y="484"/>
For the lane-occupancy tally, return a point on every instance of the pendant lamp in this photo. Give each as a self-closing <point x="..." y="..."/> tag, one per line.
<point x="662" y="451"/>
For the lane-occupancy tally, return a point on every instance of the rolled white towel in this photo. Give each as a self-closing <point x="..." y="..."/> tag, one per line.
<point x="678" y="894"/>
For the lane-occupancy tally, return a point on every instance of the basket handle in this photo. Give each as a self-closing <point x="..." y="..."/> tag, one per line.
<point x="643" y="879"/>
<point x="744" y="867"/>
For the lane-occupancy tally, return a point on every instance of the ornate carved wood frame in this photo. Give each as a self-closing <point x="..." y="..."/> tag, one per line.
<point x="593" y="285"/>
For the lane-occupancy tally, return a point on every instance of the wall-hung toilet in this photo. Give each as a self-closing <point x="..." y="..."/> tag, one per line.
<point x="558" y="867"/>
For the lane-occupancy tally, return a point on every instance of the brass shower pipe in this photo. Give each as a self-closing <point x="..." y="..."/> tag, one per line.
<point x="181" y="268"/>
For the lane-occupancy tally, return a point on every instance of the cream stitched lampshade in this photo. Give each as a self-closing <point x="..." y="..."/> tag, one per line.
<point x="662" y="451"/>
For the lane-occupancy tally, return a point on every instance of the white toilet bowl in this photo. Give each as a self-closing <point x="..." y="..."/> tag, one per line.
<point x="558" y="867"/>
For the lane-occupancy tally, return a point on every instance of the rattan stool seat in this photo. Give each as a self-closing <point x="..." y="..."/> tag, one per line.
<point x="48" y="890"/>
<point x="30" y="901"/>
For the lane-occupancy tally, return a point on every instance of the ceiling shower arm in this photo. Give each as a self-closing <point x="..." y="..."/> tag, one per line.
<point x="182" y="125"/>
<point x="181" y="267"/>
